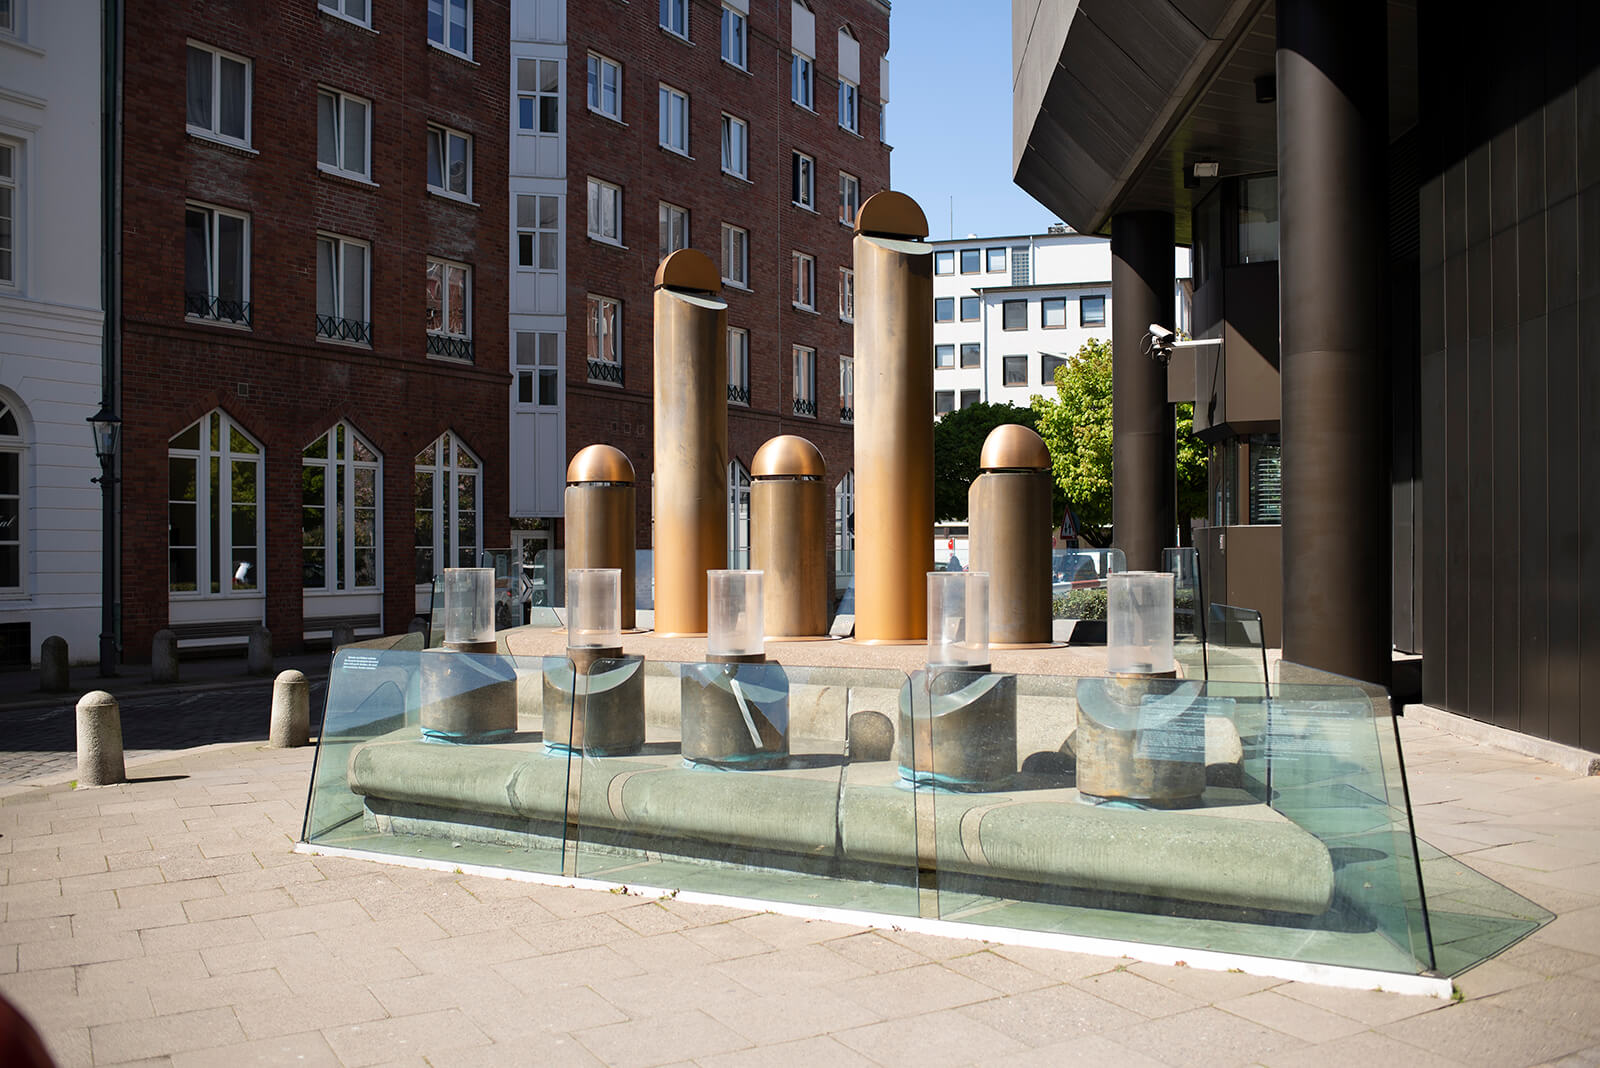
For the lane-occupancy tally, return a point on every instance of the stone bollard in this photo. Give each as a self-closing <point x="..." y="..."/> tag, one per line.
<point x="99" y="740"/>
<point x="418" y="625"/>
<point x="164" y="657"/>
<point x="258" y="660"/>
<point x="53" y="675"/>
<point x="291" y="711"/>
<point x="343" y="634"/>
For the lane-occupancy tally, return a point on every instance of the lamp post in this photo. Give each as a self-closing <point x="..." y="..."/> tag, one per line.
<point x="107" y="428"/>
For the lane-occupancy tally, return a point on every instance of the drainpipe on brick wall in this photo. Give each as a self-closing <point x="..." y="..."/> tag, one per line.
<point x="110" y="304"/>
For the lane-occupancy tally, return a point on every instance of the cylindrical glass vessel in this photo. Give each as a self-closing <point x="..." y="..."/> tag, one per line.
<point x="594" y="608"/>
<point x="1139" y="622"/>
<point x="958" y="619"/>
<point x="734" y="614"/>
<point x="468" y="605"/>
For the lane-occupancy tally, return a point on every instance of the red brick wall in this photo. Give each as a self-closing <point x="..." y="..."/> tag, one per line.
<point x="279" y="383"/>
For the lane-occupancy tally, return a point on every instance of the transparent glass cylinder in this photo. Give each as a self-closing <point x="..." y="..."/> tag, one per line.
<point x="734" y="613"/>
<point x="594" y="608"/>
<point x="468" y="604"/>
<point x="1139" y="622"/>
<point x="958" y="619"/>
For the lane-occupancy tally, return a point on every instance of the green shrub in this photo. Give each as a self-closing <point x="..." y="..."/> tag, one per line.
<point x="1087" y="603"/>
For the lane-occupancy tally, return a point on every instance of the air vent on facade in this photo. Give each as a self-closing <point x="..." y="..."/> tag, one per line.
<point x="242" y="389"/>
<point x="1020" y="266"/>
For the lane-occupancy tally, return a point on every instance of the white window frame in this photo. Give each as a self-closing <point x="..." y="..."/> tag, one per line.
<point x="803" y="180"/>
<point x="988" y="260"/>
<point x="739" y="366"/>
<point x="543" y="242"/>
<point x="11" y="214"/>
<point x="735" y="146"/>
<point x="805" y="380"/>
<point x="847" y="389"/>
<point x="735" y="38"/>
<point x="340" y="512"/>
<point x="672" y="122"/>
<point x="944" y="357"/>
<point x="536" y="362"/>
<point x="442" y="42"/>
<point x="738" y="515"/>
<point x="670" y="218"/>
<point x="536" y="94"/>
<point x="443" y="137"/>
<point x="209" y="511"/>
<point x="213" y="266"/>
<point x="340" y="9"/>
<point x="945" y="257"/>
<point x="344" y="327"/>
<point x="849" y="198"/>
<point x="16" y="540"/>
<point x="1056" y="305"/>
<point x="452" y="460"/>
<point x="213" y="132"/>
<point x="596" y="337"/>
<point x="802" y="80"/>
<point x="674" y="17"/>
<point x="446" y="269"/>
<point x="847" y="295"/>
<point x="736" y="255"/>
<point x="849" y="106"/>
<point x="597" y="67"/>
<point x="804" y="295"/>
<point x="342" y="134"/>
<point x="601" y="191"/>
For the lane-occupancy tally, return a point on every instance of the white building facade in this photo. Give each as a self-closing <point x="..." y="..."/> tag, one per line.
<point x="50" y="326"/>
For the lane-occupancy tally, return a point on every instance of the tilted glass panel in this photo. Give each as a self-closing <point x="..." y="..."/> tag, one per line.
<point x="1235" y="645"/>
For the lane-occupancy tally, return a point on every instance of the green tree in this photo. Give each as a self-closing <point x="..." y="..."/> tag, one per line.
<point x="1076" y="425"/>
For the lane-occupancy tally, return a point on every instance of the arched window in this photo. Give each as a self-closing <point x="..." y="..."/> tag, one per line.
<point x="738" y="515"/>
<point x="13" y="502"/>
<point x="448" y="502"/>
<point x="214" y="517"/>
<point x="844" y="525"/>
<point x="341" y="512"/>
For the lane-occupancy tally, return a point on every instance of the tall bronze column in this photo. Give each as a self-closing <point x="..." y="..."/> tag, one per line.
<point x="600" y="517"/>
<point x="1143" y="451"/>
<point x="1008" y="508"/>
<point x="1332" y="126"/>
<point x="894" y="419"/>
<point x="691" y="438"/>
<point x="788" y="537"/>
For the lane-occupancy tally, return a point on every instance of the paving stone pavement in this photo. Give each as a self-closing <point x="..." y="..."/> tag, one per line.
<point x="167" y="922"/>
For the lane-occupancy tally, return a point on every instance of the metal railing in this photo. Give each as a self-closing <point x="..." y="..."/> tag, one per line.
<point x="337" y="329"/>
<point x="605" y="371"/>
<point x="805" y="407"/>
<point x="206" y="306"/>
<point x="456" y="348"/>
<point x="739" y="395"/>
<point x="847" y="414"/>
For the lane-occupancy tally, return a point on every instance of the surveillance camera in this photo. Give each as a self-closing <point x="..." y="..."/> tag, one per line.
<point x="1162" y="335"/>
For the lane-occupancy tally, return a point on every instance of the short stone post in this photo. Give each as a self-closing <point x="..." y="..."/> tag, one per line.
<point x="258" y="660"/>
<point x="343" y="634"/>
<point x="418" y="625"/>
<point x="291" y="711"/>
<point x="53" y="676"/>
<point x="99" y="740"/>
<point x="164" y="657"/>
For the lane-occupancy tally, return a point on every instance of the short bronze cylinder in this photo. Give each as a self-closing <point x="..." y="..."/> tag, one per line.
<point x="1139" y="741"/>
<point x="893" y="419"/>
<point x="600" y="517"/>
<point x="594" y="702"/>
<point x="1008" y="509"/>
<point x="788" y="536"/>
<point x="466" y="694"/>
<point x="735" y="714"/>
<point x="958" y="729"/>
<point x="691" y="438"/>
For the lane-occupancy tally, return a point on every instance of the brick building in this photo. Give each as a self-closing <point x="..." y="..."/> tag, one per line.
<point x="314" y="311"/>
<point x="749" y="131"/>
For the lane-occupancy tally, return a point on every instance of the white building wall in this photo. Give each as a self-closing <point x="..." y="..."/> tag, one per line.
<point x="50" y="315"/>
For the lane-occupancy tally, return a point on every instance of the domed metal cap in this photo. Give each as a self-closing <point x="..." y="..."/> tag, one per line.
<point x="600" y="463"/>
<point x="1013" y="447"/>
<point x="891" y="214"/>
<point x="787" y="456"/>
<point x="689" y="268"/>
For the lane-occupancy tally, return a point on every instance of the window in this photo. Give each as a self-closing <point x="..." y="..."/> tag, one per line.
<point x="849" y="106"/>
<point x="1258" y="220"/>
<point x="343" y="289"/>
<point x="450" y="27"/>
<point x="969" y="309"/>
<point x="605" y="211"/>
<point x="1021" y="258"/>
<point x="969" y="260"/>
<point x="354" y="10"/>
<point x="847" y="389"/>
<point x="805" y="281"/>
<point x="216" y="273"/>
<point x="995" y="260"/>
<point x="1092" y="311"/>
<point x="944" y="309"/>
<point x="735" y="256"/>
<point x="1047" y="368"/>
<point x="969" y="355"/>
<point x="738" y="365"/>
<point x="8" y="214"/>
<point x="1266" y="477"/>
<point x="969" y="397"/>
<point x="847" y="294"/>
<point x="340" y="512"/>
<point x="449" y="163"/>
<point x="538" y="368"/>
<point x="219" y="94"/>
<point x="673" y="127"/>
<point x="805" y="381"/>
<point x="803" y="180"/>
<point x="944" y="357"/>
<point x="673" y="224"/>
<point x="539" y="95"/>
<point x="214" y="514"/>
<point x="447" y="499"/>
<point x="538" y="232"/>
<point x="13" y="502"/>
<point x="605" y="340"/>
<point x="800" y="78"/>
<point x="1053" y="312"/>
<point x="944" y="401"/>
<point x="738" y="515"/>
<point x="735" y="146"/>
<point x="844" y="529"/>
<point x="1014" y="370"/>
<point x="605" y="86"/>
<point x="344" y="133"/>
<point x="849" y="198"/>
<point x="449" y="308"/>
<point x="1013" y="315"/>
<point x="734" y="43"/>
<point x="944" y="262"/>
<point x="675" y="17"/>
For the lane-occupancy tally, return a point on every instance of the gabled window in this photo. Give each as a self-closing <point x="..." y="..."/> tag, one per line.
<point x="738" y="366"/>
<point x="675" y="17"/>
<point x="803" y="180"/>
<point x="343" y="287"/>
<point x="735" y="39"/>
<point x="449" y="309"/>
<point x="340" y="512"/>
<point x="674" y="228"/>
<point x="538" y="369"/>
<point x="605" y="340"/>
<point x="673" y="124"/>
<point x="450" y="27"/>
<point x="805" y="281"/>
<point x="219" y="94"/>
<point x="605" y="86"/>
<point x="735" y="256"/>
<point x="605" y="211"/>
<point x="447" y="501"/>
<point x="354" y="10"/>
<point x="539" y="95"/>
<point x="849" y="198"/>
<point x="847" y="294"/>
<point x="449" y="162"/>
<point x="344" y="134"/>
<point x="215" y="518"/>
<point x="801" y="76"/>
<point x="735" y="146"/>
<point x="538" y="232"/>
<point x="805" y="381"/>
<point x="216" y="272"/>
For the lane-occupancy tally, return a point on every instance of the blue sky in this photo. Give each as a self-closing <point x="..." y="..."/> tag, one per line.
<point x="950" y="118"/>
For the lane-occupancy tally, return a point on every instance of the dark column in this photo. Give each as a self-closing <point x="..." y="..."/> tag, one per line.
<point x="1143" y="474"/>
<point x="1332" y="126"/>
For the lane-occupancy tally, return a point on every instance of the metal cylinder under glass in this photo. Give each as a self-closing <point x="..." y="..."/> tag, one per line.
<point x="467" y="698"/>
<point x="600" y="517"/>
<point x="1139" y="624"/>
<point x="734" y="707"/>
<point x="788" y="539"/>
<point x="595" y="706"/>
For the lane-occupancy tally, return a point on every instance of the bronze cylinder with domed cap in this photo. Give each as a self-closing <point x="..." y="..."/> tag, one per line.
<point x="788" y="540"/>
<point x="893" y="419"/>
<point x="600" y="517"/>
<point x="1008" y="512"/>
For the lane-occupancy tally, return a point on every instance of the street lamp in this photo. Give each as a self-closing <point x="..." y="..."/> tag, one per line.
<point x="107" y="428"/>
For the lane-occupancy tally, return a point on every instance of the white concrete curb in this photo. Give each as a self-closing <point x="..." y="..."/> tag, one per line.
<point x="1577" y="761"/>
